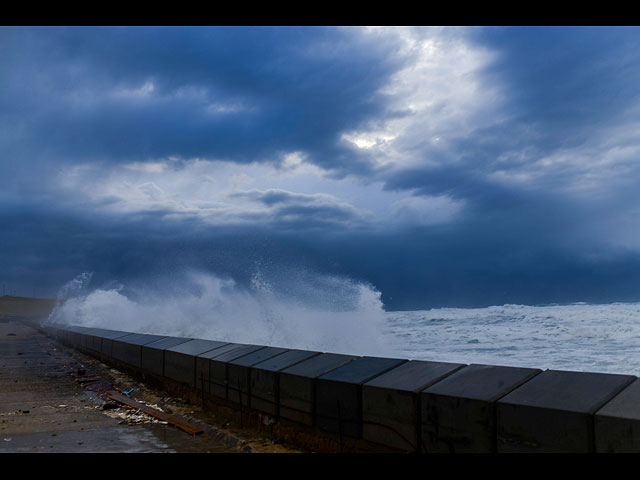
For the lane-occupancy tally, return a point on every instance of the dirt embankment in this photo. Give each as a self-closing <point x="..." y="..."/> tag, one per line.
<point x="26" y="307"/>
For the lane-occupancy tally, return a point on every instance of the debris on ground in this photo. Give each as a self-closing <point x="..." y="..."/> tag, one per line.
<point x="154" y="412"/>
<point x="131" y="416"/>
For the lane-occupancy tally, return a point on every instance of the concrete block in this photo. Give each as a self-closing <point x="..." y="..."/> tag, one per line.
<point x="458" y="412"/>
<point x="152" y="354"/>
<point x="60" y="333"/>
<point x="218" y="381"/>
<point x="617" y="423"/>
<point x="338" y="396"/>
<point x="239" y="390"/>
<point x="127" y="350"/>
<point x="203" y="365"/>
<point x="81" y="340"/>
<point x="98" y="341"/>
<point x="264" y="379"/>
<point x="553" y="412"/>
<point x="51" y="331"/>
<point x="73" y="335"/>
<point x="297" y="385"/>
<point x="391" y="403"/>
<point x="107" y="344"/>
<point x="180" y="360"/>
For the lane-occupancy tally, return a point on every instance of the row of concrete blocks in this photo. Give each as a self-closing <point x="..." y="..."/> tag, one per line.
<point x="408" y="405"/>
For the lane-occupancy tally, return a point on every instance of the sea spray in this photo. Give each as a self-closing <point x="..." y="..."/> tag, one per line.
<point x="298" y="309"/>
<point x="301" y="309"/>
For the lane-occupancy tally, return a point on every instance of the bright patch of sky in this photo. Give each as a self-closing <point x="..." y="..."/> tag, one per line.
<point x="225" y="193"/>
<point x="438" y="96"/>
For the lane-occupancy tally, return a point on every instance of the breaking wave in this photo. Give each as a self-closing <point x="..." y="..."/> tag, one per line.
<point x="299" y="309"/>
<point x="306" y="310"/>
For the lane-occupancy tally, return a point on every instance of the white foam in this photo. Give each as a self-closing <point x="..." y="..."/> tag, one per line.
<point x="305" y="310"/>
<point x="582" y="337"/>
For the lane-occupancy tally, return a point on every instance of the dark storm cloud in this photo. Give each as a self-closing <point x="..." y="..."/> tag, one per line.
<point x="275" y="196"/>
<point x="42" y="250"/>
<point x="459" y="183"/>
<point x="236" y="93"/>
<point x="441" y="269"/>
<point x="303" y="211"/>
<point x="566" y="82"/>
<point x="111" y="96"/>
<point x="419" y="269"/>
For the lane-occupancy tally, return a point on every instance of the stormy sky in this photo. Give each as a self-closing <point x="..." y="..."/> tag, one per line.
<point x="444" y="166"/>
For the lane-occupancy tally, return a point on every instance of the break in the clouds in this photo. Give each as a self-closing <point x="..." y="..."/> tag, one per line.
<point x="445" y="166"/>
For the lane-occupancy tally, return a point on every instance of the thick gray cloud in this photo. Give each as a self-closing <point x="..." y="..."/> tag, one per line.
<point x="117" y="94"/>
<point x="296" y="210"/>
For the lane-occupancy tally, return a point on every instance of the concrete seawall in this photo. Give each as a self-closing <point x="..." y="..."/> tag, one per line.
<point x="383" y="404"/>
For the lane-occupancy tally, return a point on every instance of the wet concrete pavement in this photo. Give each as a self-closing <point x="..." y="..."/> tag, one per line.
<point x="45" y="407"/>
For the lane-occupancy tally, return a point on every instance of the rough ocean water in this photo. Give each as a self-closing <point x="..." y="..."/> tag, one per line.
<point x="579" y="337"/>
<point x="335" y="314"/>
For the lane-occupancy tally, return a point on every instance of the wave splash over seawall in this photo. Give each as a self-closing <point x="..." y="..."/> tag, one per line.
<point x="300" y="309"/>
<point x="306" y="310"/>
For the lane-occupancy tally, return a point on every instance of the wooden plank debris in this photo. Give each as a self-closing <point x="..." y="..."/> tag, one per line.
<point x="172" y="419"/>
<point x="87" y="379"/>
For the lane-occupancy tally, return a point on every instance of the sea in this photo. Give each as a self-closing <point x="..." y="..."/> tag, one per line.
<point x="336" y="314"/>
<point x="578" y="337"/>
